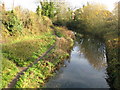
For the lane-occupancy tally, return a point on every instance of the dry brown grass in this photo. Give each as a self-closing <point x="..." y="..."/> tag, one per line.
<point x="64" y="43"/>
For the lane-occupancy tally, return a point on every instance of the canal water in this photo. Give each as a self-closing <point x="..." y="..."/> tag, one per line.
<point x="85" y="68"/>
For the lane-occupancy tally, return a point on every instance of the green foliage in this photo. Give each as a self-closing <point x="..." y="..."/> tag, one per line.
<point x="48" y="9"/>
<point x="113" y="68"/>
<point x="38" y="11"/>
<point x="94" y="19"/>
<point x="63" y="14"/>
<point x="36" y="39"/>
<point x="58" y="33"/>
<point x="35" y="76"/>
<point x="78" y="26"/>
<point x="9" y="71"/>
<point x="24" y="52"/>
<point x="12" y="22"/>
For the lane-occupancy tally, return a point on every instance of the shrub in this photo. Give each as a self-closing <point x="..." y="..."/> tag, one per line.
<point x="11" y="22"/>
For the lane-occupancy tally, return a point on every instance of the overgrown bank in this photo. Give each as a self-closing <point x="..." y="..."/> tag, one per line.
<point x="113" y="52"/>
<point x="38" y="75"/>
<point x="25" y="37"/>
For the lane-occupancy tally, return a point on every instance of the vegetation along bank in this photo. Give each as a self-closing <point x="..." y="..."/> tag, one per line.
<point x="26" y="36"/>
<point x="93" y="19"/>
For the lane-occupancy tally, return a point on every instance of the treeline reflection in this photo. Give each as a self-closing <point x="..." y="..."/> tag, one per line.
<point x="94" y="51"/>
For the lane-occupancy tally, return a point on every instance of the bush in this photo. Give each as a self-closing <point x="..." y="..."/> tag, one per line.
<point x="11" y="22"/>
<point x="77" y="26"/>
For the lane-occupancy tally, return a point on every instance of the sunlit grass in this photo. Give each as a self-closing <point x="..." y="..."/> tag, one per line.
<point x="24" y="52"/>
<point x="37" y="75"/>
<point x="9" y="71"/>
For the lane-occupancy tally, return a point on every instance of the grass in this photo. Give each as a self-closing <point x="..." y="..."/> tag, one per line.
<point x="14" y="39"/>
<point x="22" y="50"/>
<point x="25" y="52"/>
<point x="9" y="70"/>
<point x="37" y="75"/>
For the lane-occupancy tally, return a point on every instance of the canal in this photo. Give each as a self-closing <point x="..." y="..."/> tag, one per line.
<point x="85" y="68"/>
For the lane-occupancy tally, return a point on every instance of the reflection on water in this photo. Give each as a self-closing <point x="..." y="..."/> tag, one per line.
<point x="86" y="67"/>
<point x="94" y="51"/>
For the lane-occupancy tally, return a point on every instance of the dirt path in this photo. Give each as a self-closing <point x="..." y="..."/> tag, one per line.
<point x="24" y="69"/>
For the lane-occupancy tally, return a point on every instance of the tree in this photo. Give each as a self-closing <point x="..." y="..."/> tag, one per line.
<point x="63" y="13"/>
<point x="48" y="8"/>
<point x="38" y="11"/>
<point x="94" y="16"/>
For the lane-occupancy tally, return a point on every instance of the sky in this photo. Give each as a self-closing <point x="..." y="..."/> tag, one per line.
<point x="108" y="3"/>
<point x="32" y="5"/>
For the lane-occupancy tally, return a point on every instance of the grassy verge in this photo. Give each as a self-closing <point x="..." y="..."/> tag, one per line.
<point x="9" y="70"/>
<point x="22" y="52"/>
<point x="25" y="37"/>
<point x="37" y="75"/>
<point x="26" y="51"/>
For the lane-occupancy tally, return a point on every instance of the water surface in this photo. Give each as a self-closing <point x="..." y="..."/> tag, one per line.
<point x="86" y="67"/>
